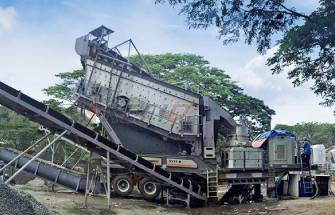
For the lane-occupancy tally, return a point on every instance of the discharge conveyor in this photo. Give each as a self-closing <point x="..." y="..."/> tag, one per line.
<point x="49" y="171"/>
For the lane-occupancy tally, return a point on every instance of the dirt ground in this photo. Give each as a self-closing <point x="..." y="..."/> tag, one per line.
<point x="68" y="203"/>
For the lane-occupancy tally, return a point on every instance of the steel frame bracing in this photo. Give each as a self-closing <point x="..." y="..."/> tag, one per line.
<point x="33" y="158"/>
<point x="57" y="168"/>
<point x="24" y="152"/>
<point x="53" y="173"/>
<point x="91" y="140"/>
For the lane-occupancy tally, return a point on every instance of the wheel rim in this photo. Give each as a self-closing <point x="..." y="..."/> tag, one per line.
<point x="123" y="185"/>
<point x="150" y="188"/>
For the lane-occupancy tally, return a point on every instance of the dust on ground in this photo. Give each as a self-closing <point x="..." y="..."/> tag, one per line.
<point x="68" y="203"/>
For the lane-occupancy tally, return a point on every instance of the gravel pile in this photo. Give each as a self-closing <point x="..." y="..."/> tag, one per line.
<point x="14" y="202"/>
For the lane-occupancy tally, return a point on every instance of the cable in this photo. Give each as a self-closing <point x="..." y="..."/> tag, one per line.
<point x="316" y="188"/>
<point x="280" y="178"/>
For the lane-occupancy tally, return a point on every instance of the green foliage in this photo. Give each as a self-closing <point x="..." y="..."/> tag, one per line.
<point x="309" y="50"/>
<point x="65" y="89"/>
<point x="258" y="20"/>
<point x="307" y="46"/>
<point x="17" y="131"/>
<point x="194" y="73"/>
<point x="61" y="94"/>
<point x="60" y="91"/>
<point x="316" y="133"/>
<point x="54" y="104"/>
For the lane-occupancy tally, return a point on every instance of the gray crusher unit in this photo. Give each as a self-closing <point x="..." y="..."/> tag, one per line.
<point x="177" y="127"/>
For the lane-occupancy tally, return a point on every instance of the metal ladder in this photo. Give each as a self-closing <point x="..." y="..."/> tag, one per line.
<point x="212" y="184"/>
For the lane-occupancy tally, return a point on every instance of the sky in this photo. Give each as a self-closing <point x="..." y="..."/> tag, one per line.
<point x="37" y="41"/>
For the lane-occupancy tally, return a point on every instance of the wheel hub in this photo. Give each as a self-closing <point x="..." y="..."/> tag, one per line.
<point x="123" y="185"/>
<point x="150" y="188"/>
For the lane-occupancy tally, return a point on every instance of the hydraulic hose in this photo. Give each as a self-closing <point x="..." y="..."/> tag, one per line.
<point x="280" y="178"/>
<point x="316" y="188"/>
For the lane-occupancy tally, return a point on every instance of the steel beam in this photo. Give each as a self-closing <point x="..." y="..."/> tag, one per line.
<point x="33" y="158"/>
<point x="88" y="179"/>
<point x="108" y="181"/>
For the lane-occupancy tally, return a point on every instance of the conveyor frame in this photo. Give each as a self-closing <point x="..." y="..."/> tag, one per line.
<point x="53" y="120"/>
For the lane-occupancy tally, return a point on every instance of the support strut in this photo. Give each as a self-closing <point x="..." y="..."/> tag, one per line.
<point x="33" y="158"/>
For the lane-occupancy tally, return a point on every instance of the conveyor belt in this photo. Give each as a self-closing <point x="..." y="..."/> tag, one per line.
<point x="50" y="171"/>
<point x="89" y="139"/>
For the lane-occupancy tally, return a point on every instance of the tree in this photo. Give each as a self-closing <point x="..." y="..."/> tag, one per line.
<point x="316" y="133"/>
<point x="63" y="91"/>
<point x="17" y="131"/>
<point x="309" y="50"/>
<point x="61" y="94"/>
<point x="306" y="48"/>
<point x="194" y="73"/>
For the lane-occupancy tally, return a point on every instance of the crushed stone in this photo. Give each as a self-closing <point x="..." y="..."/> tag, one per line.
<point x="15" y="202"/>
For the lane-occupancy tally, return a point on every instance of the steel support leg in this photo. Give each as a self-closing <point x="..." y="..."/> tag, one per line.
<point x="108" y="182"/>
<point x="88" y="179"/>
<point x="93" y="182"/>
<point x="53" y="151"/>
<point x="36" y="156"/>
<point x="188" y="200"/>
<point x="167" y="196"/>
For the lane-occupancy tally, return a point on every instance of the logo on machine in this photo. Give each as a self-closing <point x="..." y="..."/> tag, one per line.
<point x="179" y="112"/>
<point x="156" y="161"/>
<point x="181" y="163"/>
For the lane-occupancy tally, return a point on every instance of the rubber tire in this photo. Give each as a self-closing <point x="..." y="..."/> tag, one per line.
<point x="124" y="178"/>
<point x="141" y="186"/>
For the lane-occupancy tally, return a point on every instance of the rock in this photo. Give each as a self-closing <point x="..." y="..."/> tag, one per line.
<point x="36" y="183"/>
<point x="14" y="202"/>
